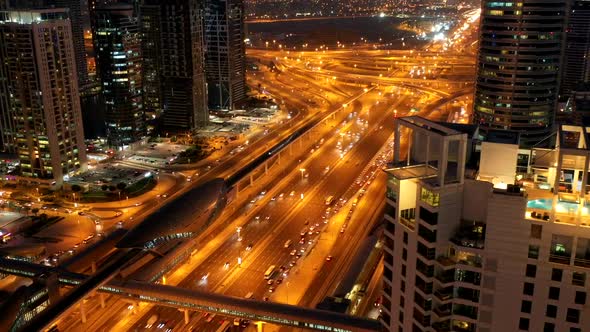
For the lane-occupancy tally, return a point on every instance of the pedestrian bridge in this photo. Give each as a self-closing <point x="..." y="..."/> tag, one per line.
<point x="188" y="299"/>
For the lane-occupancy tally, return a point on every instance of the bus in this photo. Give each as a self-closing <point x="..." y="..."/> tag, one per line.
<point x="224" y="327"/>
<point x="329" y="200"/>
<point x="269" y="272"/>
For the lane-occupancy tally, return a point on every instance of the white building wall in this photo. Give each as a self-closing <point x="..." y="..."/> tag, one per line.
<point x="506" y="244"/>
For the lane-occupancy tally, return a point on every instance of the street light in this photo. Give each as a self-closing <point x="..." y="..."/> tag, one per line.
<point x="302" y="172"/>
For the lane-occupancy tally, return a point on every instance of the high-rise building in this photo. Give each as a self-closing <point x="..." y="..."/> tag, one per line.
<point x="226" y="53"/>
<point x="80" y="18"/>
<point x="40" y="114"/>
<point x="520" y="51"/>
<point x="576" y="64"/>
<point x="173" y="51"/>
<point x="486" y="249"/>
<point x="118" y="54"/>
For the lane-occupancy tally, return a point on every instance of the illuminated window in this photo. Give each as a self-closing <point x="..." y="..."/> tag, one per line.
<point x="429" y="197"/>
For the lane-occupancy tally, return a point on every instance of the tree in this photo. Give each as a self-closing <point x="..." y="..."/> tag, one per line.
<point x="121" y="186"/>
<point x="104" y="187"/>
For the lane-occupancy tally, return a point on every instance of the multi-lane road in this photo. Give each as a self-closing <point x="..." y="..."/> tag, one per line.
<point x="332" y="161"/>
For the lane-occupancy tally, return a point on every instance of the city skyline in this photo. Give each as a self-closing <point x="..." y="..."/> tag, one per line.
<point x="294" y="165"/>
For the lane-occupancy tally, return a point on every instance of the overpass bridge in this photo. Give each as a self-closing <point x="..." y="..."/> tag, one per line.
<point x="193" y="300"/>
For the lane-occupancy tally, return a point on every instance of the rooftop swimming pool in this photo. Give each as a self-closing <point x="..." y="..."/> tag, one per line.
<point x="546" y="203"/>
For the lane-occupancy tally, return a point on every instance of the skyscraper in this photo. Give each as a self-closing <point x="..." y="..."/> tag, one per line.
<point x="576" y="64"/>
<point x="173" y="50"/>
<point x="40" y="114"/>
<point x="518" y="66"/>
<point x="79" y="16"/>
<point x="470" y="250"/>
<point x="226" y="54"/>
<point x="117" y="43"/>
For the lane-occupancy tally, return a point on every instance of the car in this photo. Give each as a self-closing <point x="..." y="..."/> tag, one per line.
<point x="342" y="229"/>
<point x="205" y="277"/>
<point x="226" y="265"/>
<point x="161" y="325"/>
<point x="237" y="322"/>
<point x="271" y="289"/>
<point x="302" y="250"/>
<point x="245" y="323"/>
<point x="279" y="281"/>
<point x="282" y="268"/>
<point x="249" y="247"/>
<point x="80" y="213"/>
<point x="281" y="195"/>
<point x="274" y="198"/>
<point x="253" y="200"/>
<point x="329" y="258"/>
<point x="292" y="193"/>
<point x="270" y="282"/>
<point x="292" y="263"/>
<point x="265" y="298"/>
<point x="262" y="193"/>
<point x="302" y="241"/>
<point x="293" y="252"/>
<point x="267" y="218"/>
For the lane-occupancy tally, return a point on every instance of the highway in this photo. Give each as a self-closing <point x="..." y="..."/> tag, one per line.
<point x="318" y="168"/>
<point x="254" y="231"/>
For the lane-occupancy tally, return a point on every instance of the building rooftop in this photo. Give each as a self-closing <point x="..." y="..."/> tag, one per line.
<point x="8" y="217"/>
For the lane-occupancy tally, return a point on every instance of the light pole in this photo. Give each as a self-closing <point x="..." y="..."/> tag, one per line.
<point x="302" y="172"/>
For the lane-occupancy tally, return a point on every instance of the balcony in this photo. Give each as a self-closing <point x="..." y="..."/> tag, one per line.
<point x="443" y="310"/>
<point x="409" y="223"/>
<point x="444" y="326"/>
<point x="445" y="277"/>
<point x="465" y="311"/>
<point x="583" y="262"/>
<point x="444" y="294"/>
<point x="470" y="235"/>
<point x="446" y="262"/>
<point x="560" y="258"/>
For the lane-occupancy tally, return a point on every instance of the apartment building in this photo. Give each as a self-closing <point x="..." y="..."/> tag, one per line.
<point x="485" y="248"/>
<point x="40" y="117"/>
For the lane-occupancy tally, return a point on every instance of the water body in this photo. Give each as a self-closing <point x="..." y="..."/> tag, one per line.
<point x="329" y="31"/>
